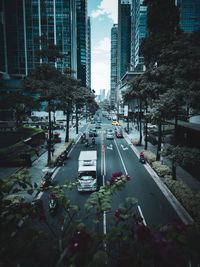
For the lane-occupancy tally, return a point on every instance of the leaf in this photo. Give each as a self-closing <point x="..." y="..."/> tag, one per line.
<point x="100" y="258"/>
<point x="30" y="191"/>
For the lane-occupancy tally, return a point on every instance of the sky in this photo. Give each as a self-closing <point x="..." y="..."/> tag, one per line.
<point x="103" y="14"/>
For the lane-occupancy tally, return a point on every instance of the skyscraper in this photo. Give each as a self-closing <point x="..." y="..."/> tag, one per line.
<point x="113" y="65"/>
<point x="88" y="67"/>
<point x="138" y="32"/>
<point x="26" y="20"/>
<point x="61" y="22"/>
<point x="82" y="19"/>
<point x="189" y="15"/>
<point x="124" y="33"/>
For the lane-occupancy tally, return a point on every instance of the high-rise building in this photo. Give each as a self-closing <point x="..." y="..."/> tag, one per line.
<point x="82" y="20"/>
<point x="23" y="21"/>
<point x="124" y="33"/>
<point x="113" y="65"/>
<point x="88" y="67"/>
<point x="138" y="32"/>
<point x="102" y="94"/>
<point x="62" y="22"/>
<point x="189" y="14"/>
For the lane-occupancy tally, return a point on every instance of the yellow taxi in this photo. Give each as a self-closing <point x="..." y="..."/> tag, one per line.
<point x="116" y="123"/>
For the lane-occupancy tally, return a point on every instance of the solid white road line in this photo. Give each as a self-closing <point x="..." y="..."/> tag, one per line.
<point x="180" y="210"/>
<point x="121" y="158"/>
<point x="142" y="216"/>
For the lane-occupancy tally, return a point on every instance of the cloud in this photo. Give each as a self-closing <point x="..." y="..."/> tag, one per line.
<point x="102" y="46"/>
<point x="101" y="69"/>
<point x="108" y="8"/>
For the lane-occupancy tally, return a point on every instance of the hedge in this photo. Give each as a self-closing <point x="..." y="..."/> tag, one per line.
<point x="135" y="141"/>
<point x="160" y="168"/>
<point x="184" y="194"/>
<point x="149" y="156"/>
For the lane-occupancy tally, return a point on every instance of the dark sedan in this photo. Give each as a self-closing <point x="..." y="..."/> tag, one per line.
<point x="119" y="134"/>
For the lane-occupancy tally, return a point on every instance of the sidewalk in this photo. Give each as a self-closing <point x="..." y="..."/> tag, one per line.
<point x="182" y="174"/>
<point x="38" y="168"/>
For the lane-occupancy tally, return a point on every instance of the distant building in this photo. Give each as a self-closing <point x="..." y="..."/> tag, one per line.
<point x="102" y="94"/>
<point x="113" y="65"/>
<point x="189" y="15"/>
<point x="124" y="32"/>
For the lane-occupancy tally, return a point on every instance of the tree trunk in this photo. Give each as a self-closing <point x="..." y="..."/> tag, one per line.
<point x="159" y="139"/>
<point x="67" y="126"/>
<point x="76" y="120"/>
<point x="140" y="124"/>
<point x="176" y="127"/>
<point x="146" y="123"/>
<point x="173" y="170"/>
<point x="49" y="139"/>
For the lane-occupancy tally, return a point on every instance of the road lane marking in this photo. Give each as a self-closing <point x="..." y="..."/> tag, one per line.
<point x="121" y="158"/>
<point x="179" y="209"/>
<point x="124" y="148"/>
<point x="141" y="215"/>
<point x="110" y="147"/>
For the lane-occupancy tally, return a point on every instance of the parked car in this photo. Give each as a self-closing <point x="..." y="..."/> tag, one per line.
<point x="116" y="123"/>
<point x="92" y="132"/>
<point x="119" y="134"/>
<point x="98" y="125"/>
<point x="109" y="134"/>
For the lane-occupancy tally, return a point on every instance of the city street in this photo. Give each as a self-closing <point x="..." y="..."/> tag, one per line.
<point x="113" y="156"/>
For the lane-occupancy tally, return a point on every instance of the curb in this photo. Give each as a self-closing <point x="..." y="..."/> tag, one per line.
<point x="180" y="210"/>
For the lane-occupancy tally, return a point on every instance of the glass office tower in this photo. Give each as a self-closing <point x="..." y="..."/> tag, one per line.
<point x="23" y="21"/>
<point x="124" y="33"/>
<point x="138" y="32"/>
<point x="81" y="11"/>
<point x="88" y="59"/>
<point x="189" y="15"/>
<point x="113" y="65"/>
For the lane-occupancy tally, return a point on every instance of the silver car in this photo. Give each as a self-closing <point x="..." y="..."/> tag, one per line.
<point x="109" y="134"/>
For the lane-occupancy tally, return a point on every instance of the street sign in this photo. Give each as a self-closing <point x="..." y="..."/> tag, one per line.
<point x="126" y="111"/>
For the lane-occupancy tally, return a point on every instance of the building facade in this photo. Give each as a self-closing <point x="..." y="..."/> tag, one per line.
<point x="24" y="21"/>
<point x="138" y="32"/>
<point x="189" y="15"/>
<point x="63" y="23"/>
<point x="124" y="33"/>
<point x="82" y="29"/>
<point x="88" y="66"/>
<point x="113" y="65"/>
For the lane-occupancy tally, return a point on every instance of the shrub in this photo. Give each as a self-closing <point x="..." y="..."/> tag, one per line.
<point x="184" y="194"/>
<point x="149" y="156"/>
<point x="135" y="141"/>
<point x="160" y="168"/>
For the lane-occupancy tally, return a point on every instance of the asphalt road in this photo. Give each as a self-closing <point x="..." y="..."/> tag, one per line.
<point x="115" y="156"/>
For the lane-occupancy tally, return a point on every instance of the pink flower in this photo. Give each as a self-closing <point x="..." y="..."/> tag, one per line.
<point x="128" y="178"/>
<point x="79" y="242"/>
<point x="112" y="181"/>
<point x="143" y="234"/>
<point x="117" y="174"/>
<point x="118" y="214"/>
<point x="40" y="210"/>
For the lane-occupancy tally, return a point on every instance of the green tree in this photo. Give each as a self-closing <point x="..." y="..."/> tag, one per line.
<point x="20" y="104"/>
<point x="126" y="241"/>
<point x="44" y="82"/>
<point x="163" y="25"/>
<point x="180" y="156"/>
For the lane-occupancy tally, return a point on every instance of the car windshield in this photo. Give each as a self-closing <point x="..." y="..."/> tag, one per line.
<point x="84" y="175"/>
<point x="109" y="131"/>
